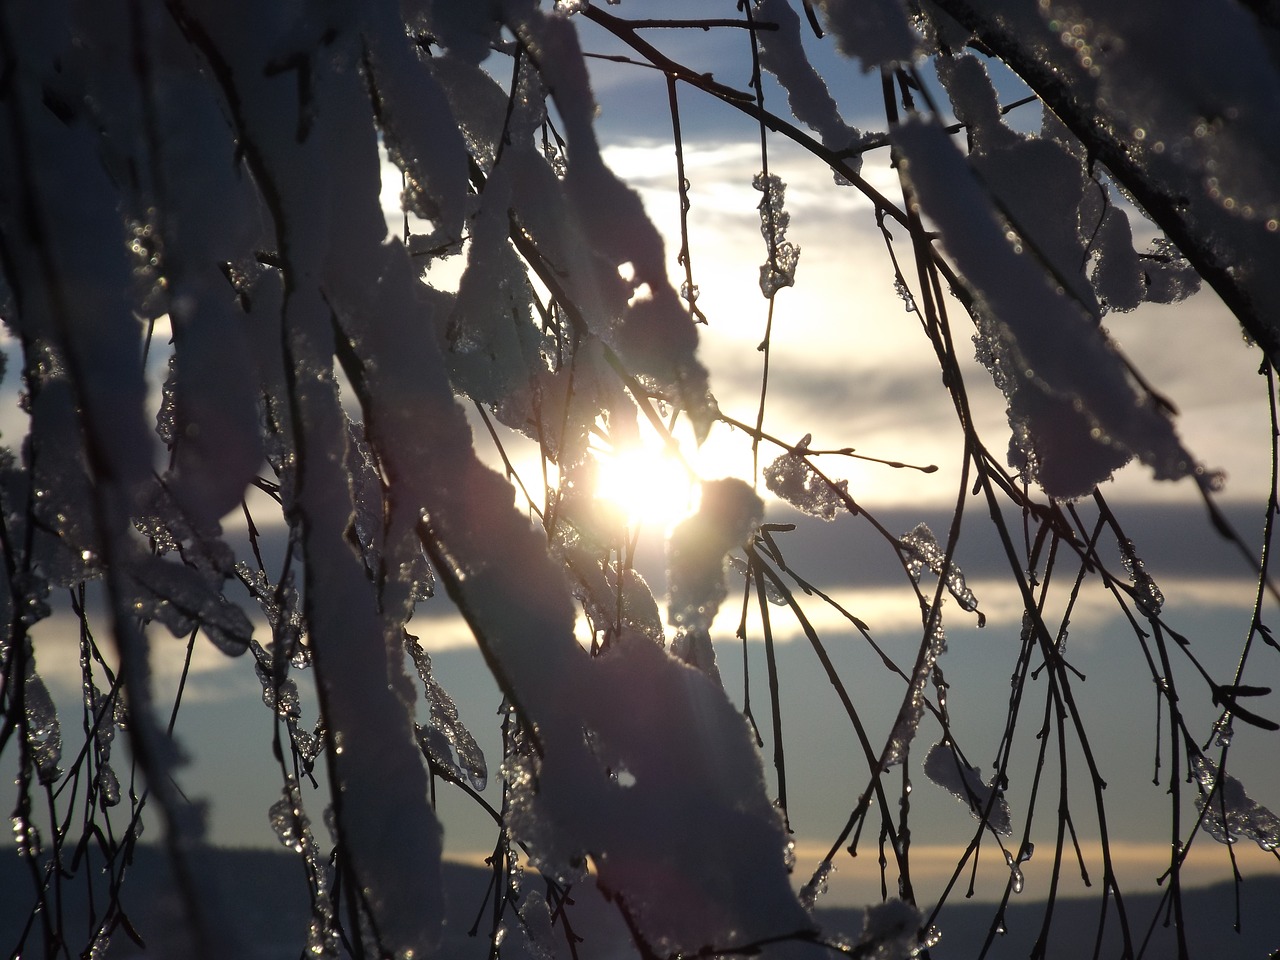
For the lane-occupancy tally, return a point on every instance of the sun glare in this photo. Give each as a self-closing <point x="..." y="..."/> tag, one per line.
<point x="650" y="487"/>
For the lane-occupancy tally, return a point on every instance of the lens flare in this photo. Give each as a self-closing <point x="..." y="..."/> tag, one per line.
<point x="649" y="486"/>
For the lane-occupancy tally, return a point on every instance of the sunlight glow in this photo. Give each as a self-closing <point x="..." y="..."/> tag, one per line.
<point x="649" y="486"/>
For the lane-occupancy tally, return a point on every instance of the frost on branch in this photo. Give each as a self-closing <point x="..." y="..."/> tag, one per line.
<point x="907" y="722"/>
<point x="323" y="176"/>
<point x="780" y="269"/>
<point x="817" y="885"/>
<point x="1148" y="595"/>
<point x="944" y="767"/>
<point x="583" y="226"/>
<point x="795" y="481"/>
<point x="687" y="750"/>
<point x="1076" y="413"/>
<point x="920" y="550"/>
<point x="43" y="730"/>
<point x="447" y="737"/>
<point x="1037" y="183"/>
<point x="1229" y="813"/>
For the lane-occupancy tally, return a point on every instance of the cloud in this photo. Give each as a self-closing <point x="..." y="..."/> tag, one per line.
<point x="212" y="675"/>
<point x="856" y="882"/>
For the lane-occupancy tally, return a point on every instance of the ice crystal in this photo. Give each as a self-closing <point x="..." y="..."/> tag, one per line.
<point x="1076" y="413"/>
<point x="44" y="732"/>
<point x="448" y="736"/>
<point x="279" y="693"/>
<point x="26" y="836"/>
<point x="290" y="822"/>
<point x="920" y="550"/>
<point x="912" y="709"/>
<point x="1147" y="595"/>
<point x="817" y="885"/>
<point x="944" y="767"/>
<point x="780" y="269"/>
<point x="795" y="481"/>
<point x="101" y="943"/>
<point x="1229" y="813"/>
<point x="108" y="785"/>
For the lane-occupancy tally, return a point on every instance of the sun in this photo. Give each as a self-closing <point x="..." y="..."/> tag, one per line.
<point x="649" y="485"/>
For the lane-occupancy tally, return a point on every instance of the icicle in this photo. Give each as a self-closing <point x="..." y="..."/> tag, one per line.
<point x="1016" y="879"/>
<point x="905" y="295"/>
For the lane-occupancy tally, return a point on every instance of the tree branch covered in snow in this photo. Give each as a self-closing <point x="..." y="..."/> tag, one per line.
<point x="245" y="411"/>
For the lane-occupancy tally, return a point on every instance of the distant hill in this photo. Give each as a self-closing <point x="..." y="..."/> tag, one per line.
<point x="1209" y="914"/>
<point x="264" y="896"/>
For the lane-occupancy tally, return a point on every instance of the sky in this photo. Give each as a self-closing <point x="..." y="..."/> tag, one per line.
<point x="850" y="366"/>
